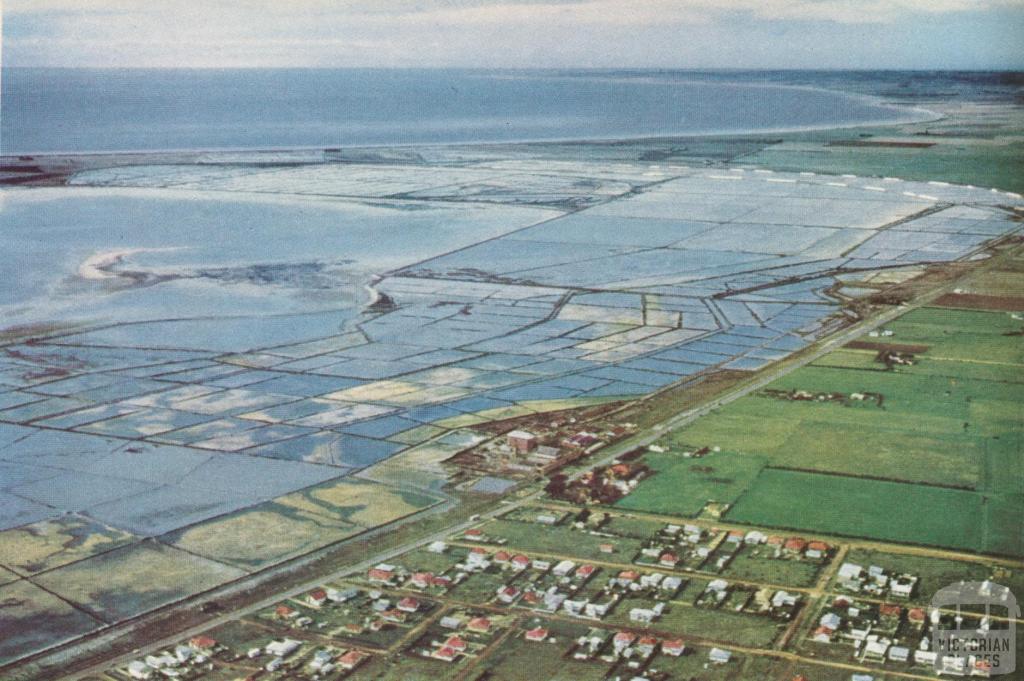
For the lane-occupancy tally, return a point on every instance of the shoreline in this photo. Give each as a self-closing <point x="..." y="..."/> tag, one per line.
<point x="924" y="116"/>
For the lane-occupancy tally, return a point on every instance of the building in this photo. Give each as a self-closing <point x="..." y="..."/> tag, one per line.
<point x="352" y="659"/>
<point x="282" y="648"/>
<point x="381" y="574"/>
<point x="522" y="441"/>
<point x="481" y="625"/>
<point x="408" y="604"/>
<point x="564" y="568"/>
<point x="316" y="598"/>
<point x="673" y="647"/>
<point x="719" y="656"/>
<point x="538" y="634"/>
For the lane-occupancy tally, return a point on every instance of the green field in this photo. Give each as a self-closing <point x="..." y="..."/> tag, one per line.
<point x="683" y="486"/>
<point x="951" y="420"/>
<point x="557" y="540"/>
<point x="721" y="625"/>
<point x="968" y="158"/>
<point x="880" y="509"/>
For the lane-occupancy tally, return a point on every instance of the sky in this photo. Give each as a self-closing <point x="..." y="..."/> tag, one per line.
<point x="830" y="34"/>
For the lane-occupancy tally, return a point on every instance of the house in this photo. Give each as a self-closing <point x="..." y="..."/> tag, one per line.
<point x="899" y="654"/>
<point x="541" y="565"/>
<point x="823" y="634"/>
<point x="183" y="653"/>
<point x="646" y="645"/>
<point x="450" y="622"/>
<point x="890" y="610"/>
<point x="441" y="581"/>
<point x="794" y="545"/>
<point x="755" y="537"/>
<point x="627" y="577"/>
<point x="668" y="560"/>
<point x="597" y="610"/>
<point x="816" y="550"/>
<point x="538" y="634"/>
<point x="520" y="562"/>
<point x="437" y="547"/>
<point x="651" y="581"/>
<point x="671" y="584"/>
<point x="408" y="604"/>
<point x="719" y="656"/>
<point x="573" y="607"/>
<point x="445" y="654"/>
<point x="546" y="519"/>
<point x="502" y="557"/>
<point x="564" y="568"/>
<point x="622" y="640"/>
<point x="477" y="558"/>
<point x="532" y="597"/>
<point x="394" y="616"/>
<point x="862" y="677"/>
<point x="316" y="598"/>
<point x="321" y="659"/>
<point x="352" y="659"/>
<point x="457" y="644"/>
<point x="925" y="657"/>
<point x="830" y="620"/>
<point x="717" y="585"/>
<point x="783" y="599"/>
<point x="285" y="612"/>
<point x="382" y="574"/>
<point x="902" y="586"/>
<point x="916" y="616"/>
<point x="642" y="615"/>
<point x="508" y="594"/>
<point x="481" y="625"/>
<point x="282" y="648"/>
<point x="849" y="572"/>
<point x="553" y="600"/>
<point x="876" y="649"/>
<point x="584" y="572"/>
<point x="522" y="441"/>
<point x="606" y="548"/>
<point x="139" y="670"/>
<point x="674" y="647"/>
<point x="202" y="643"/>
<point x="421" y="580"/>
<point x="342" y="595"/>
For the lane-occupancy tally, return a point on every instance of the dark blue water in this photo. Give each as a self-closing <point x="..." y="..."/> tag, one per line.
<point x="117" y="110"/>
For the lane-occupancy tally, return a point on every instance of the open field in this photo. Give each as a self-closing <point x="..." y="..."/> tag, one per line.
<point x="31" y="617"/>
<point x="131" y="580"/>
<point x="717" y="625"/>
<point x="52" y="543"/>
<point x="878" y="509"/>
<point x="557" y="540"/>
<point x="261" y="536"/>
<point x="684" y="486"/>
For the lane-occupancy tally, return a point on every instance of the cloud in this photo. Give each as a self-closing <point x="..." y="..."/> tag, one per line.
<point x="461" y="32"/>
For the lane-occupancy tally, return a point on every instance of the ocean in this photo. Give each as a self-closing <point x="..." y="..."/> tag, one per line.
<point x="84" y="110"/>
